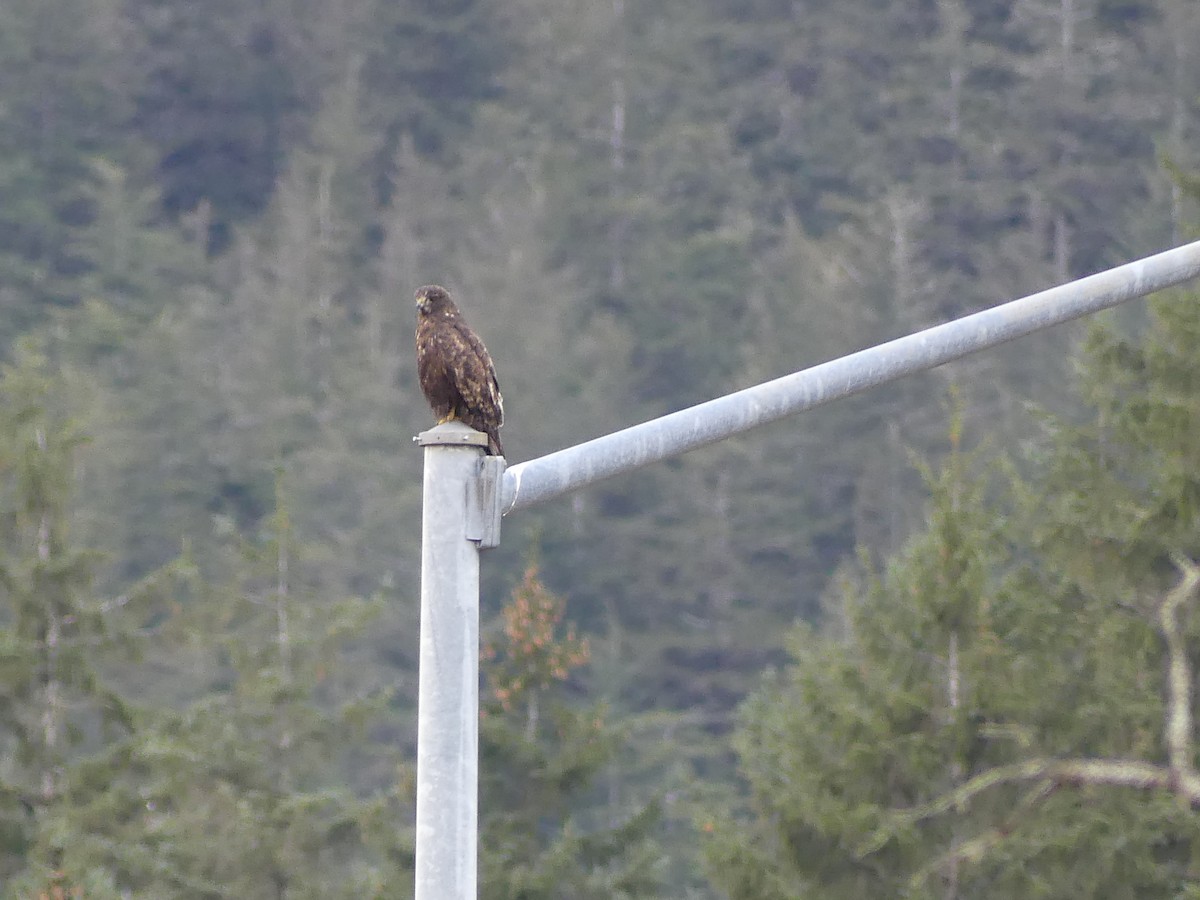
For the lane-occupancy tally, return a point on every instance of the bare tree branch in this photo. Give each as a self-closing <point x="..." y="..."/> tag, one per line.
<point x="1177" y="730"/>
<point x="1178" y="776"/>
<point x="977" y="847"/>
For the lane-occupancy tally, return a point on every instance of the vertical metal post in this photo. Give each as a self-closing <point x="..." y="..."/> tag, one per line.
<point x="448" y="701"/>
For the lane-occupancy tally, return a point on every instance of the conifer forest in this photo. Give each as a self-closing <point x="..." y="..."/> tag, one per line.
<point x="940" y="640"/>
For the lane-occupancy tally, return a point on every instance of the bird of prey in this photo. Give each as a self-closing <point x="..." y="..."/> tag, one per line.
<point x="456" y="372"/>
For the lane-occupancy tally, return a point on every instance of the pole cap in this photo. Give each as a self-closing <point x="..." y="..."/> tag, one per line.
<point x="452" y="434"/>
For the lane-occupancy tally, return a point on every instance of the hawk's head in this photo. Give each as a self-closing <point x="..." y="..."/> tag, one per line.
<point x="433" y="298"/>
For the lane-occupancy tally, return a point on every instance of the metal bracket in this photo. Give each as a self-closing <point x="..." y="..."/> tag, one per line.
<point x="483" y="502"/>
<point x="484" y="490"/>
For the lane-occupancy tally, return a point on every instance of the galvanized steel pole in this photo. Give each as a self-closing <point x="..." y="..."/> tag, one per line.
<point x="463" y="499"/>
<point x="566" y="470"/>
<point x="448" y="703"/>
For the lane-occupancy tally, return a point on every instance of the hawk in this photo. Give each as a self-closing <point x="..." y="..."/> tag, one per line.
<point x="456" y="373"/>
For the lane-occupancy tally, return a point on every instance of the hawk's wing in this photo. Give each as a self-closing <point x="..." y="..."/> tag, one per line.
<point x="458" y="377"/>
<point x="476" y="377"/>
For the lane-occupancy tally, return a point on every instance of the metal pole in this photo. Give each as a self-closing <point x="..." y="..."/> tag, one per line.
<point x="448" y="701"/>
<point x="566" y="470"/>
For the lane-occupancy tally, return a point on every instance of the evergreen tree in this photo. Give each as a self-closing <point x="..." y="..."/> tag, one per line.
<point x="62" y="110"/>
<point x="219" y="94"/>
<point x="428" y="66"/>
<point x="881" y="712"/>
<point x="56" y="635"/>
<point x="245" y="789"/>
<point x="216" y="218"/>
<point x="540" y="756"/>
<point x="1008" y="708"/>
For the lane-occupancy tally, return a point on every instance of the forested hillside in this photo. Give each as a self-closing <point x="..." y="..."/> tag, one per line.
<point x="212" y="220"/>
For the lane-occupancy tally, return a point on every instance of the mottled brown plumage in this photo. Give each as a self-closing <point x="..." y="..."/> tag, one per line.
<point x="455" y="370"/>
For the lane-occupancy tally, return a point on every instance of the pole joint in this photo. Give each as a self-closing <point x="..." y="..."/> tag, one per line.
<point x="485" y="491"/>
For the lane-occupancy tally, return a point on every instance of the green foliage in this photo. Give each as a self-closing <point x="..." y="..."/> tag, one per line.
<point x="55" y="634"/>
<point x="429" y="65"/>
<point x="884" y="714"/>
<point x="239" y="790"/>
<point x="212" y="218"/>
<point x="1129" y="491"/>
<point x="539" y="758"/>
<point x="59" y="62"/>
<point x="968" y="722"/>
<point x="218" y="94"/>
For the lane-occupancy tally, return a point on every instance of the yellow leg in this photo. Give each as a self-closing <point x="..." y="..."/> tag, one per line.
<point x="448" y="417"/>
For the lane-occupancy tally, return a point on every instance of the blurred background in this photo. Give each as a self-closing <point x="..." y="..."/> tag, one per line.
<point x="212" y="220"/>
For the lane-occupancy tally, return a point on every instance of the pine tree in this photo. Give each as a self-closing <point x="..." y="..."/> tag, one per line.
<point x="63" y="108"/>
<point x="542" y="835"/>
<point x="1008" y="706"/>
<point x="56" y="635"/>
<point x="250" y="786"/>
<point x="880" y="712"/>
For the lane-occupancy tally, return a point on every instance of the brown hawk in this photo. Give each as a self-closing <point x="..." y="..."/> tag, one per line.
<point x="456" y="372"/>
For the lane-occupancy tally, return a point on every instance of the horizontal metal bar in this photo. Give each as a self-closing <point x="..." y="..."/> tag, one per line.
<point x="566" y="470"/>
